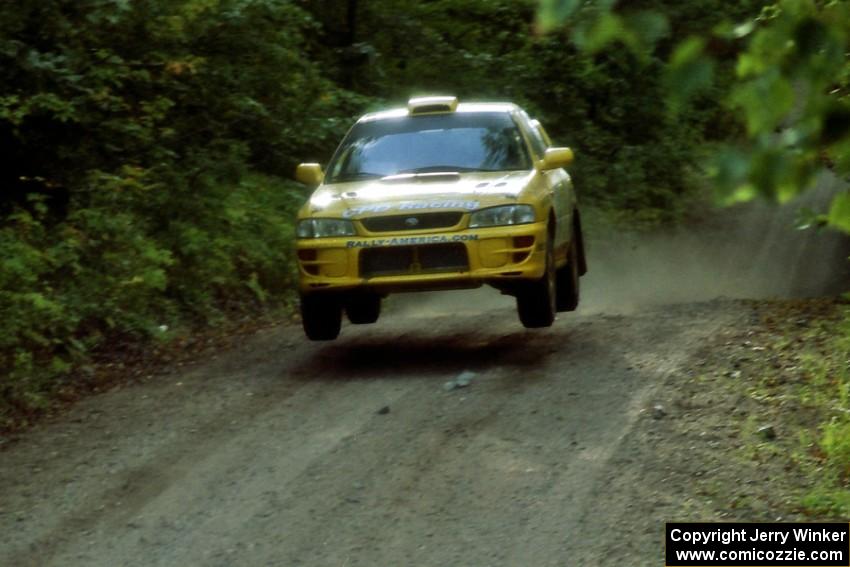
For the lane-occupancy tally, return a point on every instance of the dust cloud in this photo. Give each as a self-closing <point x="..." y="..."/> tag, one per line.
<point x="752" y="251"/>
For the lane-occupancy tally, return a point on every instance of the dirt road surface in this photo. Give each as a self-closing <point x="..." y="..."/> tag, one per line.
<point x="285" y="452"/>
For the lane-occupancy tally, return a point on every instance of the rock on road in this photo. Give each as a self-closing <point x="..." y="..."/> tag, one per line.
<point x="279" y="452"/>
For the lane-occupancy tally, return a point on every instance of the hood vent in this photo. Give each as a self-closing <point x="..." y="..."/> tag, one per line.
<point x="438" y="176"/>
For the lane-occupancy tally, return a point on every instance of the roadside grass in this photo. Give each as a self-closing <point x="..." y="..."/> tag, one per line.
<point x="813" y="405"/>
<point x="828" y="391"/>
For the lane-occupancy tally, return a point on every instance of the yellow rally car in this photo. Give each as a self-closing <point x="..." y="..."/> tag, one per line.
<point x="439" y="195"/>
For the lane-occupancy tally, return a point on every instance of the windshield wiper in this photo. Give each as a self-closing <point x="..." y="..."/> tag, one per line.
<point x="356" y="176"/>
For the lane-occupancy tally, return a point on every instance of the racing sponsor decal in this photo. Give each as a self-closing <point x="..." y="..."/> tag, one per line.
<point x="410" y="240"/>
<point x="410" y="206"/>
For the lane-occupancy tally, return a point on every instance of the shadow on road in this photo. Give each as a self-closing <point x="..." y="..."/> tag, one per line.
<point x="407" y="354"/>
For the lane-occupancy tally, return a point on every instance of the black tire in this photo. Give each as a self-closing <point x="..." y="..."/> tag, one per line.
<point x="582" y="253"/>
<point x="568" y="278"/>
<point x="363" y="309"/>
<point x="321" y="317"/>
<point x="536" y="302"/>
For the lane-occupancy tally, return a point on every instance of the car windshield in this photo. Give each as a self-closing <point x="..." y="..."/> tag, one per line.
<point x="463" y="141"/>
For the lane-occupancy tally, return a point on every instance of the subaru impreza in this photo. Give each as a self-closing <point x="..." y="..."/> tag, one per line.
<point x="439" y="195"/>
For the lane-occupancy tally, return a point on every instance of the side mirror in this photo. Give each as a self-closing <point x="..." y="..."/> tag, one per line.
<point x="309" y="174"/>
<point x="555" y="158"/>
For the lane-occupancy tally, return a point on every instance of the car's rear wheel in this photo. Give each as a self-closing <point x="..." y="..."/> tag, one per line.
<point x="321" y="316"/>
<point x="568" y="278"/>
<point x="536" y="302"/>
<point x="363" y="309"/>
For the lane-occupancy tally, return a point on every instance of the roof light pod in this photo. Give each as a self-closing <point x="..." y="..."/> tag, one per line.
<point x="426" y="104"/>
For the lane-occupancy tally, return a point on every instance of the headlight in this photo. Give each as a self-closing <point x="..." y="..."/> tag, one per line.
<point x="324" y="228"/>
<point x="499" y="216"/>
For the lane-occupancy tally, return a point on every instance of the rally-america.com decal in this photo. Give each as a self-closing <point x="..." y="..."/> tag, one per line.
<point x="410" y="240"/>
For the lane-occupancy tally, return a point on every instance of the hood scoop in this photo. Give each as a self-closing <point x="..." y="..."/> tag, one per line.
<point x="431" y="177"/>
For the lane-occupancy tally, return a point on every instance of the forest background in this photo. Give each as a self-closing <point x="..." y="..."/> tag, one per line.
<point x="150" y="144"/>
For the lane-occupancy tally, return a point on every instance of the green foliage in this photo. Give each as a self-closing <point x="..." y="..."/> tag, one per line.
<point x="689" y="72"/>
<point x="836" y="446"/>
<point x="103" y="273"/>
<point x="839" y="212"/>
<point x="835" y="502"/>
<point x="790" y="90"/>
<point x="144" y="144"/>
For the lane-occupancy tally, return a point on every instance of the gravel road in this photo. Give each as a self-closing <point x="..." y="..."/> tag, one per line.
<point x="358" y="452"/>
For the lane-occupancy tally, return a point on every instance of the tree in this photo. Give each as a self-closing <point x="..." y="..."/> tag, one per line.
<point x="789" y="90"/>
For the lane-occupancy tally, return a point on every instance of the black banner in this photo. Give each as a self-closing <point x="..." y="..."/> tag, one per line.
<point x="757" y="545"/>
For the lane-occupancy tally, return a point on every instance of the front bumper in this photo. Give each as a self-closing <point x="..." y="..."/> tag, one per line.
<point x="423" y="261"/>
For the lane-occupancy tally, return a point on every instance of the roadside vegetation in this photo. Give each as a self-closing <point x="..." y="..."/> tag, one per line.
<point x="818" y="359"/>
<point x="150" y="144"/>
<point x="785" y="385"/>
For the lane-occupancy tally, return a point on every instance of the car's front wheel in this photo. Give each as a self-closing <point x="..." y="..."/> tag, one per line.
<point x="536" y="302"/>
<point x="321" y="316"/>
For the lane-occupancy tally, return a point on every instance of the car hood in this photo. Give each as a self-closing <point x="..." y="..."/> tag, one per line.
<point x="417" y="193"/>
